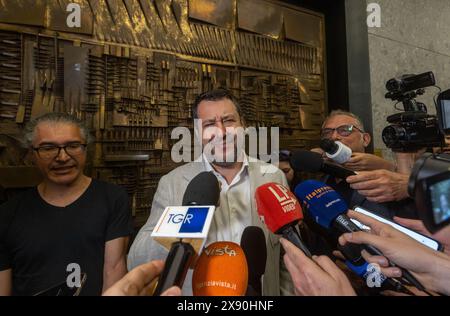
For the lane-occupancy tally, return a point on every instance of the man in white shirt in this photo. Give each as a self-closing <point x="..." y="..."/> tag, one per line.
<point x="239" y="175"/>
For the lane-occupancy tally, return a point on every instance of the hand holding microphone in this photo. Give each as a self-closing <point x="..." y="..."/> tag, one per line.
<point x="431" y="267"/>
<point x="343" y="155"/>
<point x="380" y="186"/>
<point x="329" y="210"/>
<point x="140" y="282"/>
<point x="368" y="162"/>
<point x="318" y="276"/>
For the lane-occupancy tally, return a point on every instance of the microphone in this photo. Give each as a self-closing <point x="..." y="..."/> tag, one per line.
<point x="281" y="212"/>
<point x="253" y="243"/>
<point x="336" y="151"/>
<point x="308" y="161"/>
<point x="329" y="210"/>
<point x="184" y="229"/>
<point x="221" y="270"/>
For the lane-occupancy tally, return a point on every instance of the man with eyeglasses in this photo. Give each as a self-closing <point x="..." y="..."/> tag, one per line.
<point x="69" y="224"/>
<point x="347" y="128"/>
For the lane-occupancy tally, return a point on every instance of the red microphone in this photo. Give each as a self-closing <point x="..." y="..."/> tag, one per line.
<point x="280" y="210"/>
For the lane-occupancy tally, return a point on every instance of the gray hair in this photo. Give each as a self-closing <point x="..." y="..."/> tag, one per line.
<point x="346" y="113"/>
<point x="30" y="128"/>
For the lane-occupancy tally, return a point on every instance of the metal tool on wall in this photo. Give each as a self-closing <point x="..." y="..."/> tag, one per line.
<point x="136" y="75"/>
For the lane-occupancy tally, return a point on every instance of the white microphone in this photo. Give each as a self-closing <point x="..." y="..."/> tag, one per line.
<point x="184" y="229"/>
<point x="336" y="151"/>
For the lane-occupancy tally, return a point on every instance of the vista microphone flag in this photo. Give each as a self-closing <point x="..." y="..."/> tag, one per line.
<point x="221" y="270"/>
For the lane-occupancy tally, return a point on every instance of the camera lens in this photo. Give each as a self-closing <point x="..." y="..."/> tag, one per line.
<point x="393" y="85"/>
<point x="393" y="135"/>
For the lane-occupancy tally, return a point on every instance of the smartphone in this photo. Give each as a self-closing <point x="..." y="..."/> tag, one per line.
<point x="427" y="241"/>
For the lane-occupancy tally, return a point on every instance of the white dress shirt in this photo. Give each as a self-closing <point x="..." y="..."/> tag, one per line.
<point x="234" y="211"/>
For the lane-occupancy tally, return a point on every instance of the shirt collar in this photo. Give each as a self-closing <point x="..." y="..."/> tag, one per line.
<point x="209" y="167"/>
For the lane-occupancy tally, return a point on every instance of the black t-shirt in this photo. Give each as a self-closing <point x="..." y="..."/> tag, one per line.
<point x="38" y="241"/>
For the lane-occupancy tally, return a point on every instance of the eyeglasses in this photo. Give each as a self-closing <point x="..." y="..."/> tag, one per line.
<point x="343" y="130"/>
<point x="49" y="152"/>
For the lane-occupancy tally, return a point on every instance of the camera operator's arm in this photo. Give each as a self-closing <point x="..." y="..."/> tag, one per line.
<point x="380" y="185"/>
<point x="368" y="162"/>
<point x="317" y="277"/>
<point x="405" y="161"/>
<point x="431" y="268"/>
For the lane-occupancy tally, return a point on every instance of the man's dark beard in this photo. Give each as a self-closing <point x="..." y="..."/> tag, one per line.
<point x="229" y="164"/>
<point x="224" y="163"/>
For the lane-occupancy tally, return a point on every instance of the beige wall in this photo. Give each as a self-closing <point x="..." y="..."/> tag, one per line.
<point x="414" y="37"/>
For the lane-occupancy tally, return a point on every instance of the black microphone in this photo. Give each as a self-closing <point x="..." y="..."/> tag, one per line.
<point x="253" y="242"/>
<point x="308" y="161"/>
<point x="203" y="189"/>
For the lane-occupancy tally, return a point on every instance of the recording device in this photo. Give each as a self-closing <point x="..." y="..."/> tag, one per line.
<point x="253" y="243"/>
<point x="221" y="270"/>
<point x="308" y="161"/>
<point x="281" y="212"/>
<point x="414" y="129"/>
<point x="443" y="112"/>
<point x="336" y="151"/>
<point x="427" y="241"/>
<point x="184" y="229"/>
<point x="328" y="209"/>
<point x="429" y="184"/>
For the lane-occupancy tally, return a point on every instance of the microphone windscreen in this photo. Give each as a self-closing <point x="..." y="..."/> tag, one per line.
<point x="203" y="189"/>
<point x="221" y="270"/>
<point x="277" y="206"/>
<point x="322" y="202"/>
<point x="308" y="161"/>
<point x="253" y="243"/>
<point x="328" y="145"/>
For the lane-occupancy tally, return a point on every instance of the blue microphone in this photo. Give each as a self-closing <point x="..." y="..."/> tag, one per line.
<point x="329" y="210"/>
<point x="323" y="204"/>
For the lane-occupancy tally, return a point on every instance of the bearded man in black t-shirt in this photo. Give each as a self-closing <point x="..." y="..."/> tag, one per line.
<point x="70" y="225"/>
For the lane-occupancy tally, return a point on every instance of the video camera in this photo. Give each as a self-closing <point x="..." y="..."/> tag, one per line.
<point x="429" y="184"/>
<point x="414" y="129"/>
